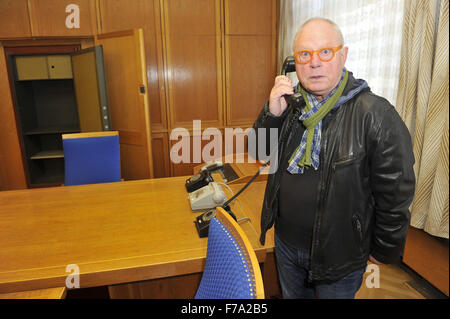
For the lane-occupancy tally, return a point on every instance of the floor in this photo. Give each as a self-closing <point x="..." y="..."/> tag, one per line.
<point x="395" y="282"/>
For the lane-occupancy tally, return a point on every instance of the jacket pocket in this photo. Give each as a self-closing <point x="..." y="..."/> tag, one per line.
<point x="358" y="231"/>
<point x="349" y="160"/>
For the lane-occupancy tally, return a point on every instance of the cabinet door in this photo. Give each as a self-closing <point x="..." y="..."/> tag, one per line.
<point x="250" y="44"/>
<point x="250" y="17"/>
<point x="194" y="61"/>
<point x="32" y="67"/>
<point x="119" y="15"/>
<point x="126" y="79"/>
<point x="59" y="67"/>
<point x="12" y="174"/>
<point x="90" y="90"/>
<point x="247" y="91"/>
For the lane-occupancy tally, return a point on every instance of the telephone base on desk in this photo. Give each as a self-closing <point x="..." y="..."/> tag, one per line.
<point x="207" y="197"/>
<point x="202" y="223"/>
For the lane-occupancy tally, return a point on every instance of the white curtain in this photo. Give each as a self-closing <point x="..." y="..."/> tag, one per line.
<point x="372" y="30"/>
<point x="423" y="95"/>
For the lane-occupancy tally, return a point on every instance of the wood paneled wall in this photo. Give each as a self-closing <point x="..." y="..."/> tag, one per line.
<point x="208" y="60"/>
<point x="45" y="18"/>
<point x="48" y="18"/>
<point x="250" y="28"/>
<point x="16" y="11"/>
<point x="193" y="55"/>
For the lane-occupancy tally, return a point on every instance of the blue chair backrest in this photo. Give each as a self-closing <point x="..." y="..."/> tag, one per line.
<point x="91" y="160"/>
<point x="227" y="274"/>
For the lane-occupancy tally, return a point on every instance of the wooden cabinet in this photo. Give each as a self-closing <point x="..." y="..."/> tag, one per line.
<point x="107" y="89"/>
<point x="126" y="79"/>
<point x="48" y="105"/>
<point x="43" y="67"/>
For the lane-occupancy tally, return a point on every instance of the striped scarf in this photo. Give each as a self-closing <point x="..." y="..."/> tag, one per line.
<point x="308" y="152"/>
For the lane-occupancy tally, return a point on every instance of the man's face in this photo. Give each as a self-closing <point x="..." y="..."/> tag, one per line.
<point x="318" y="77"/>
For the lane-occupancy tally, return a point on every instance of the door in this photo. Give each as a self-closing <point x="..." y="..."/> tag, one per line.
<point x="90" y="89"/>
<point x="126" y="79"/>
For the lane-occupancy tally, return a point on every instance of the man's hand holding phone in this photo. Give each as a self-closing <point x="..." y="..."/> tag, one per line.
<point x="277" y="102"/>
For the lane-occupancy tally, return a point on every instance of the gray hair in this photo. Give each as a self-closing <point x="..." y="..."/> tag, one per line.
<point x="332" y="23"/>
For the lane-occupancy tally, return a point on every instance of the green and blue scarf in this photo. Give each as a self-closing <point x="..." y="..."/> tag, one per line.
<point x="307" y="154"/>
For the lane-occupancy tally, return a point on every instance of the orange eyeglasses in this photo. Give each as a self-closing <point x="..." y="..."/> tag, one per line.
<point x="324" y="54"/>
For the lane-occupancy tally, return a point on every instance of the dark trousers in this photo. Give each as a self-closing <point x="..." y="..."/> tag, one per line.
<point x="293" y="265"/>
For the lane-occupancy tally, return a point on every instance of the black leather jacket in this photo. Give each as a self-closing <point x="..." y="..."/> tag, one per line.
<point x="366" y="184"/>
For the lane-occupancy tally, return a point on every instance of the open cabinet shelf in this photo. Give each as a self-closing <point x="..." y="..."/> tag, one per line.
<point x="48" y="154"/>
<point x="57" y="94"/>
<point x="52" y="130"/>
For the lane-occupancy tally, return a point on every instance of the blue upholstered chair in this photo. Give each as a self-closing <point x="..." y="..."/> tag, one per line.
<point x="232" y="269"/>
<point x="91" y="158"/>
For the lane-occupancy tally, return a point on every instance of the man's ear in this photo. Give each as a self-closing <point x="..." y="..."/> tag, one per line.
<point x="344" y="54"/>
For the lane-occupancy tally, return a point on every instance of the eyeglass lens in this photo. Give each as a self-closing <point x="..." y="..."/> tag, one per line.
<point x="324" y="55"/>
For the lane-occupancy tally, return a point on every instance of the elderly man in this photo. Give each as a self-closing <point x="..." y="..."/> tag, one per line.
<point x="345" y="179"/>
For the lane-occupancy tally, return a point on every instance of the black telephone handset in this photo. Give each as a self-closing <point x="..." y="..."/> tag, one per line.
<point x="288" y="67"/>
<point x="197" y="181"/>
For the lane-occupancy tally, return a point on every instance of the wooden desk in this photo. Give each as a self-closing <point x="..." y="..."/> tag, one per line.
<point x="50" y="293"/>
<point x="115" y="232"/>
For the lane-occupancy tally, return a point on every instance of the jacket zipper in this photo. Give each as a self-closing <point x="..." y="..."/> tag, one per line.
<point x="319" y="208"/>
<point x="315" y="227"/>
<point x="321" y="199"/>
